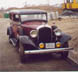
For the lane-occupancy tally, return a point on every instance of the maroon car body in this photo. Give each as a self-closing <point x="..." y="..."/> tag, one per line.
<point x="30" y="33"/>
<point x="31" y="26"/>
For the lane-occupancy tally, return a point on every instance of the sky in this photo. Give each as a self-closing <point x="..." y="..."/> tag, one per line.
<point x="21" y="3"/>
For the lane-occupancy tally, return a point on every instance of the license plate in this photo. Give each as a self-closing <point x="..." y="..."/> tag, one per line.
<point x="50" y="45"/>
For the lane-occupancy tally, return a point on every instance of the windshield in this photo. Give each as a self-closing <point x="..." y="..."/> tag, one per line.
<point x="33" y="17"/>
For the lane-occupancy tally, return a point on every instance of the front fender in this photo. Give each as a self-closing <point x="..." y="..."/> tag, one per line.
<point x="65" y="38"/>
<point x="26" y="40"/>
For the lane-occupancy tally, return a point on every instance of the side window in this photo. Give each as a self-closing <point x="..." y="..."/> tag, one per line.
<point x="16" y="17"/>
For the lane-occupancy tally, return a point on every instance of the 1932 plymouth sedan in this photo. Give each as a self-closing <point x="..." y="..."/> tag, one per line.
<point x="30" y="33"/>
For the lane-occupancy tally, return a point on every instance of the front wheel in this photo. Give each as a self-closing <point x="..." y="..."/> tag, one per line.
<point x="21" y="52"/>
<point x="21" y="49"/>
<point x="65" y="54"/>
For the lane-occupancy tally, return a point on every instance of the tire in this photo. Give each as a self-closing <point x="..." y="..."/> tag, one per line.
<point x="21" y="52"/>
<point x="64" y="55"/>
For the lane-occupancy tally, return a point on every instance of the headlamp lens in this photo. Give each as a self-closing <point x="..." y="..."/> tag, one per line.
<point x="33" y="33"/>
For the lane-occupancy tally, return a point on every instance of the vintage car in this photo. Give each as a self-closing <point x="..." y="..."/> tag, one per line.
<point x="30" y="33"/>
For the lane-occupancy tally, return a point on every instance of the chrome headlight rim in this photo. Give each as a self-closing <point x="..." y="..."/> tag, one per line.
<point x="33" y="35"/>
<point x="58" y="32"/>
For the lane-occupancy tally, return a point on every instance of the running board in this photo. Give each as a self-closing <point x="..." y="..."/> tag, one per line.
<point x="13" y="41"/>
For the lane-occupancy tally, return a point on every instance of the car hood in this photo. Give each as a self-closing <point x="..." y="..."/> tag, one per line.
<point x="28" y="26"/>
<point x="32" y="25"/>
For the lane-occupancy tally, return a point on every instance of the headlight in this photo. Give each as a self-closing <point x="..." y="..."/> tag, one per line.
<point x="33" y="33"/>
<point x="57" y="32"/>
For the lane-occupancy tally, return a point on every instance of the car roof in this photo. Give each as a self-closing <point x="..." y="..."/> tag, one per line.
<point x="28" y="11"/>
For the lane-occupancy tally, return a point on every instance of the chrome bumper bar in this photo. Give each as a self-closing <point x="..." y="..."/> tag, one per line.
<point x="47" y="50"/>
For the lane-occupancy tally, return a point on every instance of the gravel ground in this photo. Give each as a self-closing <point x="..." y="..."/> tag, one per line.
<point x="9" y="58"/>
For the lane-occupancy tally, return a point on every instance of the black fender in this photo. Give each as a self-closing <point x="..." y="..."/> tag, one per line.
<point x="65" y="38"/>
<point x="26" y="40"/>
<point x="9" y="31"/>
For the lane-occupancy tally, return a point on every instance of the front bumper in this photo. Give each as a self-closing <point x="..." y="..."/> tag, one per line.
<point x="47" y="50"/>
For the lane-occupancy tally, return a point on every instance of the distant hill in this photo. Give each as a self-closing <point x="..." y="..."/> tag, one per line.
<point x="45" y="7"/>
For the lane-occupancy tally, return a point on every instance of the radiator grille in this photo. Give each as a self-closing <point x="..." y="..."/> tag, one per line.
<point x="44" y="35"/>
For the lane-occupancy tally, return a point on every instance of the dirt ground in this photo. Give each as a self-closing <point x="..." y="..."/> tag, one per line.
<point x="70" y="26"/>
<point x="9" y="58"/>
